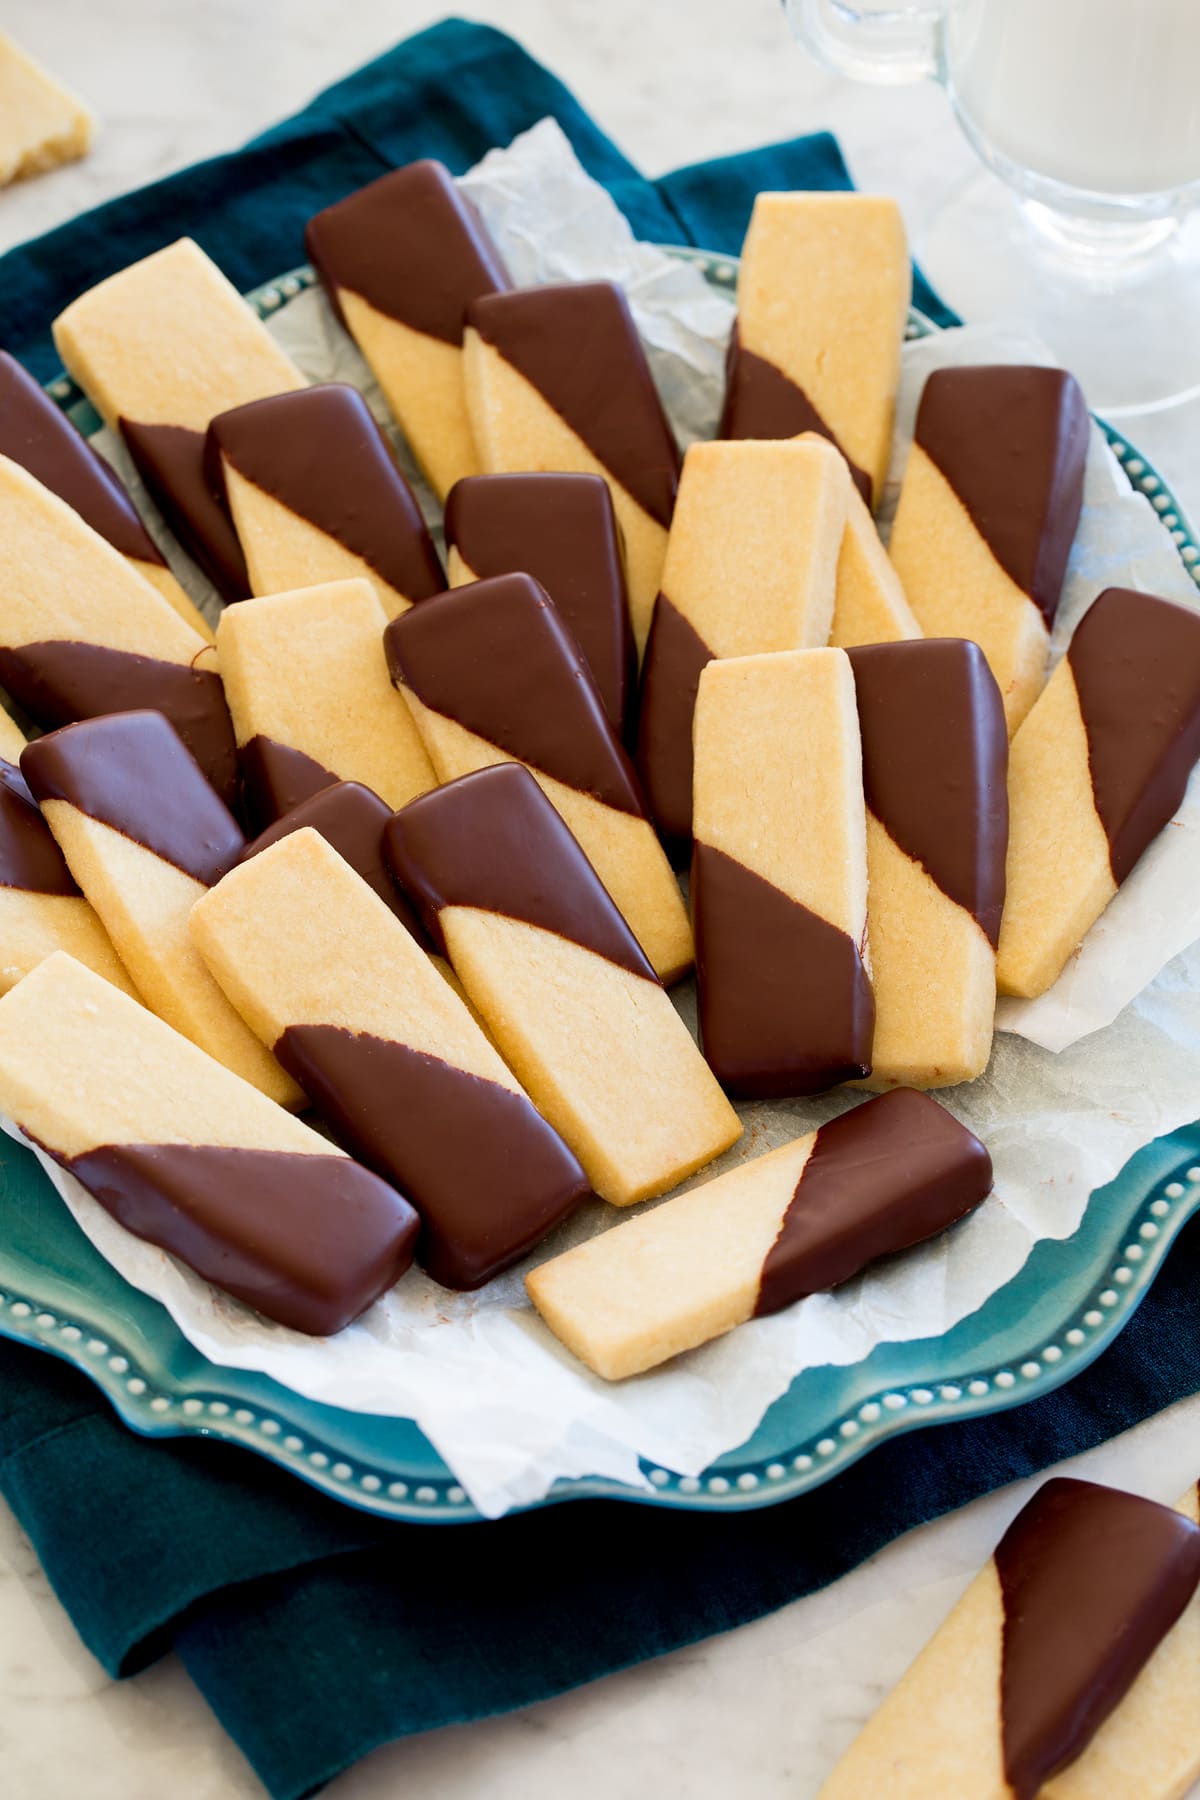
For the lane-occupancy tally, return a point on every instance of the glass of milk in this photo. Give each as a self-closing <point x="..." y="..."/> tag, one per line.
<point x="1089" y="113"/>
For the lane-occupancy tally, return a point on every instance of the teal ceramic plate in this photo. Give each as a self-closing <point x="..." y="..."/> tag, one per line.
<point x="1069" y="1301"/>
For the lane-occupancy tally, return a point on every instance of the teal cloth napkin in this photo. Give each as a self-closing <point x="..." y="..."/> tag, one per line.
<point x="316" y="1632"/>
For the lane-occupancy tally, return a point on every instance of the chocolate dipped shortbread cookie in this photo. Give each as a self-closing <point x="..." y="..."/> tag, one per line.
<point x="144" y="836"/>
<point x="823" y="294"/>
<point x="82" y="634"/>
<point x="312" y="701"/>
<point x="801" y="1220"/>
<point x="560" y="981"/>
<point x="389" y="1055"/>
<point x="557" y="379"/>
<point x="988" y="509"/>
<point x="187" y="1155"/>
<point x="401" y="260"/>
<point x="751" y="566"/>
<point x="779" y="875"/>
<point x="491" y="674"/>
<point x="1096" y="771"/>
<point x="160" y="348"/>
<point x="934" y="762"/>
<point x="316" y="495"/>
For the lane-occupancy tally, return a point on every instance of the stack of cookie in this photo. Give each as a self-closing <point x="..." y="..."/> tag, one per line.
<point x="450" y="942"/>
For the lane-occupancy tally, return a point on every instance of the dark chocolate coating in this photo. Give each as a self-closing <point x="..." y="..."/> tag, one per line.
<point x="1135" y="660"/>
<point x="170" y="460"/>
<point x="38" y="435"/>
<point x="29" y="857"/>
<point x="762" y="402"/>
<point x="935" y="764"/>
<point x="61" y="680"/>
<point x="132" y="771"/>
<point x="351" y="818"/>
<point x="492" y="840"/>
<point x="309" y="1241"/>
<point x="562" y="530"/>
<point x="784" y="1000"/>
<point x="276" y="778"/>
<point x="1012" y="443"/>
<point x="412" y="246"/>
<point x="488" y="1176"/>
<point x="880" y="1178"/>
<point x="319" y="452"/>
<point x="577" y="344"/>
<point x="1092" y="1580"/>
<point x="676" y="657"/>
<point x="496" y="657"/>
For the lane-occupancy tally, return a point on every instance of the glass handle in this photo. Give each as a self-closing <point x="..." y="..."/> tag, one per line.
<point x="872" y="40"/>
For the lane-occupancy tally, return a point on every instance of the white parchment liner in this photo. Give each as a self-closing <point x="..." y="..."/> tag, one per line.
<point x="1107" y="1060"/>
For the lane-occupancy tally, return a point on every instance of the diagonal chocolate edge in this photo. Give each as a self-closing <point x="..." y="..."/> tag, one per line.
<point x="133" y="772"/>
<point x="320" y="453"/>
<point x="577" y="344"/>
<point x="30" y="859"/>
<point x="170" y="460"/>
<point x="493" y="841"/>
<point x="1092" y="1580"/>
<point x="561" y="529"/>
<point x="38" y="435"/>
<point x="59" y="681"/>
<point x="496" y="657"/>
<point x="1012" y="440"/>
<point x="880" y="1178"/>
<point x="785" y="1005"/>
<point x="935" y="764"/>
<point x="485" y="1171"/>
<point x="309" y="1241"/>
<point x="762" y="402"/>
<point x="676" y="657"/>
<point x="351" y="818"/>
<point x="410" y="244"/>
<point x="1135" y="660"/>
<point x="276" y="778"/>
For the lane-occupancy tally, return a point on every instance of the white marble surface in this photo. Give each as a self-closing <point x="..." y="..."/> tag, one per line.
<point x="764" y="1710"/>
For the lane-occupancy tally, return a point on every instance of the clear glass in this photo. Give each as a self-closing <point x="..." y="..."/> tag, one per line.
<point x="1088" y="112"/>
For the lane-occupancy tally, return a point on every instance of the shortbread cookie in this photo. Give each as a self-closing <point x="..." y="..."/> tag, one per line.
<point x="1041" y="1649"/>
<point x="779" y="874"/>
<point x="388" y="1054"/>
<point x="144" y="836"/>
<point x="869" y="606"/>
<point x="823" y="295"/>
<point x="1149" y="1746"/>
<point x="798" y="1221"/>
<point x="41" y="907"/>
<point x="42" y="124"/>
<point x="187" y="1155"/>
<point x="934" y="763"/>
<point x="987" y="514"/>
<point x="38" y="435"/>
<point x="562" y="530"/>
<point x="560" y="982"/>
<point x="82" y="634"/>
<point x="491" y="675"/>
<point x="160" y="348"/>
<point x="751" y="566"/>
<point x="401" y="260"/>
<point x="557" y="379"/>
<point x="311" y="699"/>
<point x="1096" y="771"/>
<point x="316" y="495"/>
